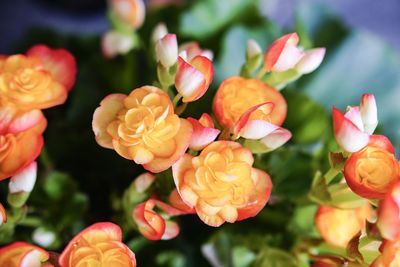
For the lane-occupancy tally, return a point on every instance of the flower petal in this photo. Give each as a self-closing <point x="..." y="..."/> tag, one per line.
<point x="276" y="138"/>
<point x="25" y="121"/>
<point x="3" y="215"/>
<point x="171" y="230"/>
<point x="354" y="115"/>
<point x="167" y="50"/>
<point x="369" y="112"/>
<point x="24" y="180"/>
<point x="311" y="60"/>
<point x="202" y="136"/>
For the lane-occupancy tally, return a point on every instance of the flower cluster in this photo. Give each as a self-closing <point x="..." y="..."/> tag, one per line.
<point x="37" y="80"/>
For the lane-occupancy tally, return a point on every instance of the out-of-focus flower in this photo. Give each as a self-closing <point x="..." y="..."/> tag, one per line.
<point x="221" y="184"/>
<point x="310" y="61"/>
<point x="131" y="12"/>
<point x="237" y="95"/>
<point x="43" y="237"/>
<point x="194" y="77"/>
<point x="3" y="214"/>
<point x="339" y="226"/>
<point x="20" y="254"/>
<point x="389" y="214"/>
<point x="159" y="32"/>
<point x="253" y="49"/>
<point x="352" y="129"/>
<point x="254" y="124"/>
<point x="152" y="225"/>
<point x="390" y="256"/>
<point x="24" y="180"/>
<point x="144" y="181"/>
<point x="98" y="245"/>
<point x="283" y="54"/>
<point x="20" y="140"/>
<point x="203" y="132"/>
<point x="167" y="50"/>
<point x="142" y="127"/>
<point x="192" y="49"/>
<point x="115" y="43"/>
<point x="371" y="171"/>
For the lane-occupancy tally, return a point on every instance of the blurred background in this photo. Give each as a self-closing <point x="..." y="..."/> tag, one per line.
<point x="363" y="47"/>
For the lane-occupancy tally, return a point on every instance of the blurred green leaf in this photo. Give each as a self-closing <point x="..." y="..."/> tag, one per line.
<point x="171" y="259"/>
<point x="302" y="222"/>
<point x="271" y="257"/>
<point x="242" y="256"/>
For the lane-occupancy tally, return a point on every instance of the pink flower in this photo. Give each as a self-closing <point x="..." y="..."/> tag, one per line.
<point x="203" y="132"/>
<point x="167" y="50"/>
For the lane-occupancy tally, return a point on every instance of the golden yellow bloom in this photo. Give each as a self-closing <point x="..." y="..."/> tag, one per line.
<point x="237" y="95"/>
<point x="221" y="183"/>
<point x="142" y="127"/>
<point x="339" y="226"/>
<point x="98" y="245"/>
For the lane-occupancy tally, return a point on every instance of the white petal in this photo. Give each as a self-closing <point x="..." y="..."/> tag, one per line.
<point x="24" y="180"/>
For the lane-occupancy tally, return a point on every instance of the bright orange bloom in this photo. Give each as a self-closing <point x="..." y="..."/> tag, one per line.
<point x="390" y="256"/>
<point x="98" y="245"/>
<point x="39" y="80"/>
<point x="20" y="254"/>
<point x="237" y="95"/>
<point x="339" y="226"/>
<point x="371" y="171"/>
<point x="142" y="127"/>
<point x="389" y="214"/>
<point x="221" y="184"/>
<point x="20" y="139"/>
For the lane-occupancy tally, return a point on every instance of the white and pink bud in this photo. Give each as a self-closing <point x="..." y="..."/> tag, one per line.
<point x="144" y="181"/>
<point x="311" y="60"/>
<point x="131" y="12"/>
<point x="167" y="50"/>
<point x="369" y="113"/>
<point x="193" y="78"/>
<point x="159" y="32"/>
<point x="114" y="43"/>
<point x="204" y="132"/>
<point x="43" y="237"/>
<point x="24" y="181"/>
<point x="253" y="49"/>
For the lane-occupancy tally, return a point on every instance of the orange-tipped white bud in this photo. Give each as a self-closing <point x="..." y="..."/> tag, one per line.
<point x="24" y="181"/>
<point x="114" y="43"/>
<point x="159" y="32"/>
<point x="167" y="50"/>
<point x="311" y="60"/>
<point x="369" y="113"/>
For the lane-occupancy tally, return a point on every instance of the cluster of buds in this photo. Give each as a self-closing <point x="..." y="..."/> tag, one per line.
<point x="214" y="179"/>
<point x="38" y="80"/>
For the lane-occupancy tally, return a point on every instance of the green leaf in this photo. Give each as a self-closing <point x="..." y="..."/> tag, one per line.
<point x="271" y="257"/>
<point x="242" y="256"/>
<point x="302" y="222"/>
<point x="171" y="259"/>
<point x="207" y="17"/>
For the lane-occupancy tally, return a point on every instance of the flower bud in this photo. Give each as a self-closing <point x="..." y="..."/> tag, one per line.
<point x="43" y="237"/>
<point x="22" y="254"/>
<point x="369" y="112"/>
<point x="167" y="50"/>
<point x="24" y="181"/>
<point x="310" y="61"/>
<point x="114" y="43"/>
<point x="253" y="49"/>
<point x="159" y="32"/>
<point x="203" y="132"/>
<point x="131" y="12"/>
<point x="144" y="181"/>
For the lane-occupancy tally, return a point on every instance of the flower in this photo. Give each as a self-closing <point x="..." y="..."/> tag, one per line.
<point x="221" y="184"/>
<point x="98" y="245"/>
<point x="43" y="237"/>
<point x="3" y="214"/>
<point x="24" y="180"/>
<point x="237" y="95"/>
<point x="20" y="254"/>
<point x="339" y="226"/>
<point x="352" y="130"/>
<point x="283" y="54"/>
<point x="20" y="140"/>
<point x="154" y="226"/>
<point x="159" y="32"/>
<point x="114" y="43"/>
<point x="131" y="12"/>
<point x="389" y="214"/>
<point x="190" y="50"/>
<point x="390" y="256"/>
<point x="253" y="49"/>
<point x="371" y="171"/>
<point x="193" y="77"/>
<point x="142" y="127"/>
<point x="143" y="182"/>
<point x="203" y="132"/>
<point x="310" y="61"/>
<point x="167" y="50"/>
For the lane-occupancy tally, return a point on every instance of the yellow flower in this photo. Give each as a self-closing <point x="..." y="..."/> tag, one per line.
<point x="221" y="183"/>
<point x="98" y="245"/>
<point x="142" y="127"/>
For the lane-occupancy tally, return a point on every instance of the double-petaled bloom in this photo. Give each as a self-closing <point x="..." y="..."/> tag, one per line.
<point x="142" y="127"/>
<point x="353" y="129"/>
<point x="131" y="12"/>
<point x="21" y="254"/>
<point x="284" y="54"/>
<point x="193" y="77"/>
<point x="371" y="171"/>
<point x="251" y="109"/>
<point x="98" y="245"/>
<point x="221" y="184"/>
<point x="203" y="132"/>
<point x="339" y="226"/>
<point x="389" y="214"/>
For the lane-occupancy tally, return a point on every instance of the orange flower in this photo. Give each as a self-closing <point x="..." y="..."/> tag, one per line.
<point x="20" y="254"/>
<point x="98" y="245"/>
<point x="39" y="80"/>
<point x="221" y="183"/>
<point x="20" y="139"/>
<point x="390" y="256"/>
<point x="142" y="127"/>
<point x="389" y="214"/>
<point x="237" y="95"/>
<point x="339" y="226"/>
<point x="132" y="12"/>
<point x="371" y="171"/>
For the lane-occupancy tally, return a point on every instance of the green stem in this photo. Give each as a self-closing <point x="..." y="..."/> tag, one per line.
<point x="330" y="175"/>
<point x="45" y="160"/>
<point x="261" y="73"/>
<point x="176" y="99"/>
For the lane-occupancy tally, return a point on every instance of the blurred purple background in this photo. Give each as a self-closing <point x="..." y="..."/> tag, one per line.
<point x="87" y="16"/>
